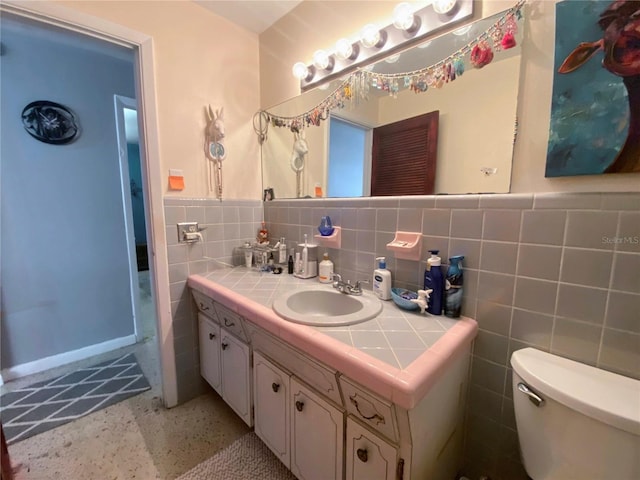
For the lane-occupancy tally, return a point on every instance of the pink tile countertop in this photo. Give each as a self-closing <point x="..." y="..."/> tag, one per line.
<point x="250" y="294"/>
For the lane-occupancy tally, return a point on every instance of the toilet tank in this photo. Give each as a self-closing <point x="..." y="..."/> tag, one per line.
<point x="587" y="426"/>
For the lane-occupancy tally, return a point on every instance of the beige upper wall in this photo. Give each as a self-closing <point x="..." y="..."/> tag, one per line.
<point x="200" y="59"/>
<point x="318" y="24"/>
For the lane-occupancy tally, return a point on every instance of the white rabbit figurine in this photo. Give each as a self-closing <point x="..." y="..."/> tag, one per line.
<point x="423" y="298"/>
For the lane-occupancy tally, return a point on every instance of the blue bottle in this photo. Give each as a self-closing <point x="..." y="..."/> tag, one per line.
<point x="453" y="287"/>
<point x="434" y="280"/>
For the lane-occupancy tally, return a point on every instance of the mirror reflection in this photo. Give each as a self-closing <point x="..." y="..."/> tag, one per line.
<point x="476" y="119"/>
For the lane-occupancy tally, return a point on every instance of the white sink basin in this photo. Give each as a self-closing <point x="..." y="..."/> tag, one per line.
<point x="324" y="306"/>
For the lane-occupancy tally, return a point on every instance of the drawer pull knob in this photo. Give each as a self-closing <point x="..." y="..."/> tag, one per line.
<point x="299" y="405"/>
<point x="203" y="307"/>
<point x="212" y="336"/>
<point x="224" y="345"/>
<point x="275" y="387"/>
<point x="362" y="454"/>
<point x="376" y="417"/>
<point x="228" y="323"/>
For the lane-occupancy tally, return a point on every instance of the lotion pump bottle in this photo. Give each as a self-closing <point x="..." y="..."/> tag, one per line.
<point x="382" y="280"/>
<point x="325" y="270"/>
<point x="434" y="280"/>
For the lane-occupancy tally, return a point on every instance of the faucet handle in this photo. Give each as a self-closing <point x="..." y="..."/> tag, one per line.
<point x="359" y="282"/>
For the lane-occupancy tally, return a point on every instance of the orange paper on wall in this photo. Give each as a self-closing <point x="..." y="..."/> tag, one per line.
<point x="176" y="183"/>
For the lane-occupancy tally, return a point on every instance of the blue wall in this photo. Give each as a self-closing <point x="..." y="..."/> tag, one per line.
<point x="64" y="260"/>
<point x="346" y="157"/>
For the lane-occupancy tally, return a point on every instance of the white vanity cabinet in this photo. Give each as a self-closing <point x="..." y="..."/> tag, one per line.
<point x="210" y="367"/>
<point x="225" y="360"/>
<point x="303" y="429"/>
<point x="272" y="392"/>
<point x="317" y="419"/>
<point x="317" y="430"/>
<point x="235" y="362"/>
<point x="368" y="455"/>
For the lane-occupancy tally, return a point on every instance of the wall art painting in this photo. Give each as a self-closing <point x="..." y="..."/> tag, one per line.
<point x="595" y="111"/>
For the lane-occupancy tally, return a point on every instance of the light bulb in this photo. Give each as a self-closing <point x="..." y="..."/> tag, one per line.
<point x="322" y="60"/>
<point x="403" y="17"/>
<point x="444" y="7"/>
<point x="300" y="71"/>
<point x="462" y="30"/>
<point x="346" y="50"/>
<point x="392" y="58"/>
<point x="370" y="36"/>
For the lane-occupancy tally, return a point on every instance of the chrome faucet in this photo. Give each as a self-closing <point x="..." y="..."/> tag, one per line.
<point x="346" y="287"/>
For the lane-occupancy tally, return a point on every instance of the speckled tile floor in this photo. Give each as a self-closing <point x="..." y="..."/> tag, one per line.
<point x="135" y="439"/>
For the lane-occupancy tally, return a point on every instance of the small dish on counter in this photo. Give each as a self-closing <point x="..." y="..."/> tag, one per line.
<point x="402" y="297"/>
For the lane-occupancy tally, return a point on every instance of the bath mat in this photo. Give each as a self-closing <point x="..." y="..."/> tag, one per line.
<point x="245" y="459"/>
<point x="49" y="404"/>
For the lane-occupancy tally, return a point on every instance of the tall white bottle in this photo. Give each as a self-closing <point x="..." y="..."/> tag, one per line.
<point x="382" y="280"/>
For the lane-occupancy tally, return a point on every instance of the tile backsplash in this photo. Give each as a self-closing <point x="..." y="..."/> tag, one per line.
<point x="559" y="272"/>
<point x="227" y="224"/>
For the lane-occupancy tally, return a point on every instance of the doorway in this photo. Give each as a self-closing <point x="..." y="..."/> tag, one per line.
<point x="126" y="118"/>
<point x="349" y="168"/>
<point x="76" y="292"/>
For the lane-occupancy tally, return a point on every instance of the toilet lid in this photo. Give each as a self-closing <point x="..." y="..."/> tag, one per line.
<point x="608" y="397"/>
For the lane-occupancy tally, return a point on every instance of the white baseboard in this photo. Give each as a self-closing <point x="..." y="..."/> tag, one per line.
<point x="53" y="361"/>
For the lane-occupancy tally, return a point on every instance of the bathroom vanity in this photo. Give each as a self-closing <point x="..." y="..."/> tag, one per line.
<point x="324" y="402"/>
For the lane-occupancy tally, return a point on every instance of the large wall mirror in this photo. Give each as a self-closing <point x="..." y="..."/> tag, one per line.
<point x="476" y="128"/>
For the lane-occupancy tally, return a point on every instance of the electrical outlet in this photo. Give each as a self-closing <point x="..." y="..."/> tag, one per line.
<point x="184" y="228"/>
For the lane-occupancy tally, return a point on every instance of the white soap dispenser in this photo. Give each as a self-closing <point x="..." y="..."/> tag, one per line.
<point x="382" y="280"/>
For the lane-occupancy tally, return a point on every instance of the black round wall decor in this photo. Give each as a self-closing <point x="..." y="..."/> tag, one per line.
<point x="50" y="122"/>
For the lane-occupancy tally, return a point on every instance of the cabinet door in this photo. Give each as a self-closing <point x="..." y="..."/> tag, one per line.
<point x="209" y="352"/>
<point x="368" y="456"/>
<point x="236" y="375"/>
<point x="271" y="391"/>
<point x="317" y="430"/>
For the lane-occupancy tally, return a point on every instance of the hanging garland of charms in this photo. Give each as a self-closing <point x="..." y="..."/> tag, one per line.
<point x="355" y="88"/>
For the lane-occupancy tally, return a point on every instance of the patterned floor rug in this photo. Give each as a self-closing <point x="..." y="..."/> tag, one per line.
<point x="245" y="459"/>
<point x="46" y="405"/>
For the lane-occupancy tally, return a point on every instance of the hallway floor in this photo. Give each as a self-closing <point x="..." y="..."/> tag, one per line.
<point x="135" y="439"/>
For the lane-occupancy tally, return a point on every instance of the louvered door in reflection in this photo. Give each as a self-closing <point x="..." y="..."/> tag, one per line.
<point x="404" y="156"/>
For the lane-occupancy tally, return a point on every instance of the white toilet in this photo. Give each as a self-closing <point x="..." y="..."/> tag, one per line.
<point x="575" y="421"/>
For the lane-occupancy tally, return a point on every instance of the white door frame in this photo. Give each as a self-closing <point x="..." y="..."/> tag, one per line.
<point x="121" y="102"/>
<point x="142" y="44"/>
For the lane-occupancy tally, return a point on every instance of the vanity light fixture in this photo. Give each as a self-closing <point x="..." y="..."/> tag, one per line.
<point x="345" y="50"/>
<point x="462" y="30"/>
<point x="322" y="60"/>
<point x="392" y="58"/>
<point x="405" y="19"/>
<point x="407" y="27"/>
<point x="444" y="7"/>
<point x="302" y="72"/>
<point x="372" y="37"/>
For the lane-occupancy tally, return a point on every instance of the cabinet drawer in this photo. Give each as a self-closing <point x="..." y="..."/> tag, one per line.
<point x="204" y="304"/>
<point x="231" y="321"/>
<point x="318" y="376"/>
<point x="369" y="409"/>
